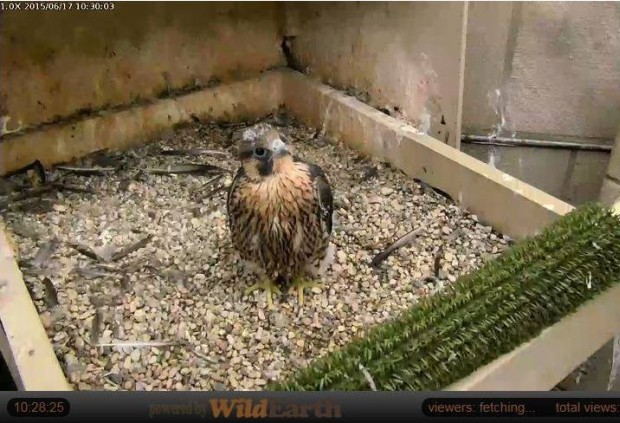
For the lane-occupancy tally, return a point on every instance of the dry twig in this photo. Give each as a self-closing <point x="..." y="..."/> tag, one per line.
<point x="401" y="242"/>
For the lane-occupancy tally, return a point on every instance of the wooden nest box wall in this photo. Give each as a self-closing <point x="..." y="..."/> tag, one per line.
<point x="383" y="79"/>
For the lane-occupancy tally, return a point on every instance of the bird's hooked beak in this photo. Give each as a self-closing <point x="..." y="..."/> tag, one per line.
<point x="279" y="148"/>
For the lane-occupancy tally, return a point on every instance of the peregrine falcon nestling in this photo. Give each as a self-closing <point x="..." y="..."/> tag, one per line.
<point x="280" y="214"/>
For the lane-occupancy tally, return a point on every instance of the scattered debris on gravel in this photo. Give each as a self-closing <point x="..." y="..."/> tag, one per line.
<point x="128" y="260"/>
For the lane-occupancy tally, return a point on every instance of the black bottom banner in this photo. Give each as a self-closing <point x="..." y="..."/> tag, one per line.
<point x="304" y="407"/>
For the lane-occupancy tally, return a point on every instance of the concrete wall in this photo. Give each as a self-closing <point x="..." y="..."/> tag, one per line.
<point x="557" y="68"/>
<point x="488" y="25"/>
<point x="558" y="64"/>
<point x="551" y="70"/>
<point x="53" y="64"/>
<point x="610" y="190"/>
<point x="403" y="54"/>
<point x="572" y="176"/>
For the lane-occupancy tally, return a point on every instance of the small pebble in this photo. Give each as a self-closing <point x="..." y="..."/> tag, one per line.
<point x="135" y="355"/>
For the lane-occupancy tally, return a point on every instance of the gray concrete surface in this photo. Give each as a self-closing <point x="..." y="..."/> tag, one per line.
<point x="556" y="63"/>
<point x="572" y="176"/>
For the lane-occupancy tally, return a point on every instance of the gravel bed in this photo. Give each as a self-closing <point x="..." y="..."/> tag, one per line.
<point x="177" y="306"/>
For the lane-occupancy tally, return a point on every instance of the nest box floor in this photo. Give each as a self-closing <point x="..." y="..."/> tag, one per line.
<point x="138" y="286"/>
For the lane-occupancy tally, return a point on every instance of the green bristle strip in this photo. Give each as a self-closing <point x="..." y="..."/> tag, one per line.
<point x="487" y="313"/>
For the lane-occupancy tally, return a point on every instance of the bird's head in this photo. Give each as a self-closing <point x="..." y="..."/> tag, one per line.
<point x="264" y="155"/>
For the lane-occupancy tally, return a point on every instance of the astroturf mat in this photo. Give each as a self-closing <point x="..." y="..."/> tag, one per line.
<point x="485" y="314"/>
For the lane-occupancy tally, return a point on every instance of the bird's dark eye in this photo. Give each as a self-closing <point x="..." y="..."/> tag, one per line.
<point x="259" y="152"/>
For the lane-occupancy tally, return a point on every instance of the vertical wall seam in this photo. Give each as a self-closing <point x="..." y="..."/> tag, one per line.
<point x="568" y="175"/>
<point x="516" y="19"/>
<point x="459" y="101"/>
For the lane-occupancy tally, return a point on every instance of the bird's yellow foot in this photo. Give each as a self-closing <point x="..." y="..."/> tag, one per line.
<point x="299" y="284"/>
<point x="268" y="286"/>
